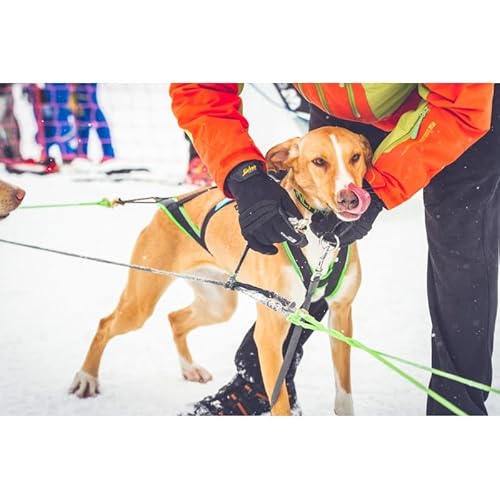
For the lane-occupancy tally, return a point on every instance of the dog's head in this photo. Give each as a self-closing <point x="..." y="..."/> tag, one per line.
<point x="327" y="165"/>
<point x="10" y="198"/>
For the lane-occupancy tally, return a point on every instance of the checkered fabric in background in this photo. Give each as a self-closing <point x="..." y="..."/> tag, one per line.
<point x="132" y="123"/>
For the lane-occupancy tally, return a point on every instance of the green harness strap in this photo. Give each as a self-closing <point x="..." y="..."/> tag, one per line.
<point x="175" y="211"/>
<point x="331" y="281"/>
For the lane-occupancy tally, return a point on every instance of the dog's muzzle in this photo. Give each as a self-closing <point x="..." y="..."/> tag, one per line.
<point x="363" y="200"/>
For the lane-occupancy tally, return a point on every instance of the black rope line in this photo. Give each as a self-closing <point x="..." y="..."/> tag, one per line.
<point x="271" y="299"/>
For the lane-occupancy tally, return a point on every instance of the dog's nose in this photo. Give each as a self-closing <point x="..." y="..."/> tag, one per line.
<point x="347" y="199"/>
<point x="19" y="194"/>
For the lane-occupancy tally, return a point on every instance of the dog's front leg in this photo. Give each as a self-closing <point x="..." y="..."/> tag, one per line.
<point x="341" y="320"/>
<point x="270" y="333"/>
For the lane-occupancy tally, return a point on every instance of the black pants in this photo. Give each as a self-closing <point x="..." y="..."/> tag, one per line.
<point x="192" y="151"/>
<point x="462" y="206"/>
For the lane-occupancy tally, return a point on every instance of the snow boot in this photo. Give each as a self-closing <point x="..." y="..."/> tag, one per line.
<point x="245" y="393"/>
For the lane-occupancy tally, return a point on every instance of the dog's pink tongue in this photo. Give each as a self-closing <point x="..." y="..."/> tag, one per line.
<point x="364" y="199"/>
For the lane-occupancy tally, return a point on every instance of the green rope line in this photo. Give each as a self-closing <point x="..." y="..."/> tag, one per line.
<point x="102" y="203"/>
<point x="441" y="373"/>
<point x="435" y="371"/>
<point x="305" y="320"/>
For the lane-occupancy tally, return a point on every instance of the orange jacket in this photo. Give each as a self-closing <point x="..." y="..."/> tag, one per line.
<point x="430" y="126"/>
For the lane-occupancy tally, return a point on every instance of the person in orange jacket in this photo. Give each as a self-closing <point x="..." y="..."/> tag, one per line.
<point x="433" y="136"/>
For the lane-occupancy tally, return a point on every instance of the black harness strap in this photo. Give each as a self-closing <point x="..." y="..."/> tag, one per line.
<point x="338" y="268"/>
<point x="334" y="272"/>
<point x="174" y="208"/>
<point x="211" y="213"/>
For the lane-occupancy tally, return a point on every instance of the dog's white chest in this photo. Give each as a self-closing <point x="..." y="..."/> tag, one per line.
<point x="313" y="253"/>
<point x="314" y="250"/>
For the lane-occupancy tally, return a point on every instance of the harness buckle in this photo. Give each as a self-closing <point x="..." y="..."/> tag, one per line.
<point x="326" y="243"/>
<point x="300" y="225"/>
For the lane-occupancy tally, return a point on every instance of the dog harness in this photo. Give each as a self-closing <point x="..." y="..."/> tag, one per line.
<point x="174" y="208"/>
<point x="330" y="282"/>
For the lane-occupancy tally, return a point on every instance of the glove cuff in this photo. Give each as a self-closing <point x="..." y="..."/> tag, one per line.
<point x="242" y="173"/>
<point x="375" y="198"/>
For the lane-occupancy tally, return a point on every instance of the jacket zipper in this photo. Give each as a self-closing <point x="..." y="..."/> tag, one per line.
<point x="411" y="134"/>
<point x="351" y="98"/>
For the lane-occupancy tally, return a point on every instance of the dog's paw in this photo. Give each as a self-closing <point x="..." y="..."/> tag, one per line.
<point x="84" y="385"/>
<point x="195" y="373"/>
<point x="344" y="406"/>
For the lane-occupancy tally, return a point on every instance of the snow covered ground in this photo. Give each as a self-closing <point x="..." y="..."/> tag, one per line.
<point x="50" y="305"/>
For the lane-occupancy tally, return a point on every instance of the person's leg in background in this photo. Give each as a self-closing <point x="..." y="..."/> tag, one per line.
<point x="10" y="133"/>
<point x="104" y="134"/>
<point x="100" y="123"/>
<point x="46" y="120"/>
<point x="9" y="129"/>
<point x="192" y="151"/>
<point x="462" y="205"/>
<point x="65" y="133"/>
<point x="43" y="115"/>
<point x="197" y="172"/>
<point x="246" y="389"/>
<point x="82" y="120"/>
<point x="88" y="114"/>
<point x="52" y="113"/>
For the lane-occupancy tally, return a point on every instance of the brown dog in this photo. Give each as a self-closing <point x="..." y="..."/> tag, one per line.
<point x="10" y="198"/>
<point x="326" y="166"/>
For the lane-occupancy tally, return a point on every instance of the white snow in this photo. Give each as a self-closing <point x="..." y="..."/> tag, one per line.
<point x="50" y="305"/>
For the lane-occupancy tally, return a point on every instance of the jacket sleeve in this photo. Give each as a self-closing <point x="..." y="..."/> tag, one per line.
<point x="449" y="119"/>
<point x="210" y="113"/>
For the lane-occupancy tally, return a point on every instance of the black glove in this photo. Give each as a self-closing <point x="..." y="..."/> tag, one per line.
<point x="264" y="208"/>
<point x="329" y="225"/>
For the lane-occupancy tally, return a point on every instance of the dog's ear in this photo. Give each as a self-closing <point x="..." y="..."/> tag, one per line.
<point x="367" y="150"/>
<point x="282" y="156"/>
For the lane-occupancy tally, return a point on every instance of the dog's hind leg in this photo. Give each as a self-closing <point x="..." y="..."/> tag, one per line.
<point x="341" y="320"/>
<point x="211" y="305"/>
<point x="137" y="303"/>
<point x="134" y="308"/>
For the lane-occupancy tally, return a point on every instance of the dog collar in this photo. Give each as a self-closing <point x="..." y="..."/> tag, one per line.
<point x="304" y="203"/>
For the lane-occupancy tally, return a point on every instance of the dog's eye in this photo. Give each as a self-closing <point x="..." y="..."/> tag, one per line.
<point x="355" y="158"/>
<point x="319" y="162"/>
